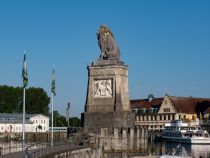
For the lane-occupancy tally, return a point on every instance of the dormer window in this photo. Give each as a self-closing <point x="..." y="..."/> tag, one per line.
<point x="143" y="110"/>
<point x="151" y="110"/>
<point x="150" y="97"/>
<point x="166" y="110"/>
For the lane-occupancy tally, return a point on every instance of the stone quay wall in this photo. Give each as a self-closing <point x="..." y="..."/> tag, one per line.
<point x="120" y="139"/>
<point x="108" y="142"/>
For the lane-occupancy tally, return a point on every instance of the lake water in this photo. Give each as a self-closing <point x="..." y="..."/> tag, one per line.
<point x="196" y="151"/>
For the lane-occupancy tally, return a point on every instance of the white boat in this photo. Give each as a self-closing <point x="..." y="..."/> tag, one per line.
<point x="180" y="132"/>
<point x="174" y="156"/>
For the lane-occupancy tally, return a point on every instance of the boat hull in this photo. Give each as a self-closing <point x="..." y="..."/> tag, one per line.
<point x="174" y="156"/>
<point x="187" y="140"/>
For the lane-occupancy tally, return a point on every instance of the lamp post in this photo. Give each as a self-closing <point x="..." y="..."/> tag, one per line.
<point x="67" y="118"/>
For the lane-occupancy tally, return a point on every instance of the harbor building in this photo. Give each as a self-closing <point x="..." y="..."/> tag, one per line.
<point x="152" y="113"/>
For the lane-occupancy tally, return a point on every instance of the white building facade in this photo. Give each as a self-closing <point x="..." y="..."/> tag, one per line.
<point x="40" y="123"/>
<point x="33" y="123"/>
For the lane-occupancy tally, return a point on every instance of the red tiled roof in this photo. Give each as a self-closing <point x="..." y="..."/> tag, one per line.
<point x="144" y="103"/>
<point x="189" y="104"/>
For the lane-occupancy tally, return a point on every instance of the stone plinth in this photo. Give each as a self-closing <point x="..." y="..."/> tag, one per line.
<point x="107" y="87"/>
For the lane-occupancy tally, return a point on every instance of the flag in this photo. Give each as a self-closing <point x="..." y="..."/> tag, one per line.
<point x="53" y="82"/>
<point x="24" y="72"/>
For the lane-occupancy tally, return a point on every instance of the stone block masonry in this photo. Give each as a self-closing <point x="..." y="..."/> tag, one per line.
<point x="97" y="120"/>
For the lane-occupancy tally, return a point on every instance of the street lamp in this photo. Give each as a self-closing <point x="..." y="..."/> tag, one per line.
<point x="67" y="118"/>
<point x="67" y="113"/>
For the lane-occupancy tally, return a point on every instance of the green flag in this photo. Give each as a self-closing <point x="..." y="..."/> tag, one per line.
<point x="24" y="73"/>
<point x="53" y="82"/>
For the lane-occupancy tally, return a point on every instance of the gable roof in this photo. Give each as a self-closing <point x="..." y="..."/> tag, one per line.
<point x="145" y="103"/>
<point x="34" y="115"/>
<point x="189" y="104"/>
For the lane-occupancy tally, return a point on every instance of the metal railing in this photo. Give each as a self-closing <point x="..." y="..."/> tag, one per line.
<point x="16" y="146"/>
<point x="51" y="150"/>
<point x="10" y="149"/>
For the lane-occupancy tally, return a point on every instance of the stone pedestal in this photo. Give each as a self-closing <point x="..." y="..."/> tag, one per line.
<point x="107" y="100"/>
<point x="107" y="87"/>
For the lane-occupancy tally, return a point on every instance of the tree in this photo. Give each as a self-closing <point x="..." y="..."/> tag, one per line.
<point x="60" y="121"/>
<point x="37" y="101"/>
<point x="11" y="100"/>
<point x="75" y="122"/>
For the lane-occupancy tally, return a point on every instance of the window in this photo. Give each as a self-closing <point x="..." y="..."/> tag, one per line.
<point x="169" y="117"/>
<point x="44" y="121"/>
<point x="166" y="110"/>
<point x="36" y="121"/>
<point x="41" y="121"/>
<point x="164" y="117"/>
<point x="129" y="131"/>
<point x="173" y="117"/>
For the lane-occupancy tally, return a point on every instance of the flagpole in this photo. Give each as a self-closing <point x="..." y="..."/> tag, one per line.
<point x="25" y="82"/>
<point x="24" y="94"/>
<point x="52" y="100"/>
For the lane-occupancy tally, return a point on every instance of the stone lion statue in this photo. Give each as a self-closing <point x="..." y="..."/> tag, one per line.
<point x="107" y="43"/>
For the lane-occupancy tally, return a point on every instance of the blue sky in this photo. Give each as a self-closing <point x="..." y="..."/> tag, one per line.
<point x="166" y="45"/>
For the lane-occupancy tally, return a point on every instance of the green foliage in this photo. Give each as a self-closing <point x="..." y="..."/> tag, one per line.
<point x="75" y="122"/>
<point x="37" y="101"/>
<point x="39" y="127"/>
<point x="11" y="100"/>
<point x="60" y="121"/>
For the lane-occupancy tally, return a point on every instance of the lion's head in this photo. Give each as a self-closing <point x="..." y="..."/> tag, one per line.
<point x="104" y="29"/>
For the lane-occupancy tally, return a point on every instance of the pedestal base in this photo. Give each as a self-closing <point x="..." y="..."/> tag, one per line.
<point x="94" y="121"/>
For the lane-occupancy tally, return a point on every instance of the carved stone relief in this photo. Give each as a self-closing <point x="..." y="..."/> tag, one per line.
<point x="103" y="88"/>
